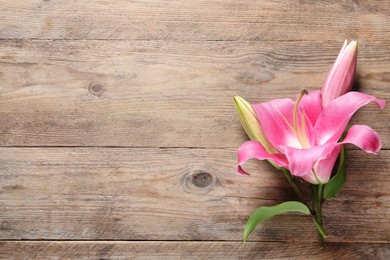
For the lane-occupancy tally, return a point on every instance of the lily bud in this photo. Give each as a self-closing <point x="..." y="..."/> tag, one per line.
<point x="340" y="78"/>
<point x="251" y="124"/>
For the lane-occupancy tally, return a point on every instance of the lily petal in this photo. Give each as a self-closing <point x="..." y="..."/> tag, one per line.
<point x="311" y="104"/>
<point x="324" y="166"/>
<point x="335" y="117"/>
<point x="340" y="78"/>
<point x="276" y="119"/>
<point x="253" y="149"/>
<point x="301" y="161"/>
<point x="364" y="137"/>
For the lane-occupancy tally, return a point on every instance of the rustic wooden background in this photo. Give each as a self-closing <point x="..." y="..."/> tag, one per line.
<point x="118" y="132"/>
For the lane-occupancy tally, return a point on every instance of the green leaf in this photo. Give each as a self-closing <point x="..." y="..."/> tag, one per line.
<point x="263" y="213"/>
<point x="336" y="183"/>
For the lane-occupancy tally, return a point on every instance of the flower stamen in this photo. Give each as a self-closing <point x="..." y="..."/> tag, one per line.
<point x="295" y="118"/>
<point x="300" y="130"/>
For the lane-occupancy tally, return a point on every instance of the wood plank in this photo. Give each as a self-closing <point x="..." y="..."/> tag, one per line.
<point x="195" y="20"/>
<point x="160" y="93"/>
<point x="190" y="250"/>
<point x="174" y="194"/>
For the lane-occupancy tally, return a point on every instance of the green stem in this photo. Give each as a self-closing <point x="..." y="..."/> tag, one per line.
<point x="315" y="208"/>
<point x="295" y="187"/>
<point x="313" y="202"/>
<point x="319" y="200"/>
<point x="321" y="231"/>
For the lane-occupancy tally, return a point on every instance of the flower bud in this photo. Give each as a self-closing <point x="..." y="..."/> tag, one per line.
<point x="341" y="75"/>
<point x="251" y="123"/>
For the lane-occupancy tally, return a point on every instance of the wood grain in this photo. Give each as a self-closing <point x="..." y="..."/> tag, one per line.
<point x="204" y="20"/>
<point x="161" y="93"/>
<point x="174" y="194"/>
<point x="117" y="124"/>
<point x="190" y="250"/>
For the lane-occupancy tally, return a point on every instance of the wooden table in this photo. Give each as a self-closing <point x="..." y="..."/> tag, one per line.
<point x="118" y="132"/>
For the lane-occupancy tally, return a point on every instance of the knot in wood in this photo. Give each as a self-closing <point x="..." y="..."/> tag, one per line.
<point x="202" y="179"/>
<point x="95" y="89"/>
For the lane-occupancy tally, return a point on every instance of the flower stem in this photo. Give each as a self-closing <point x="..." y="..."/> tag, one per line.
<point x="319" y="200"/>
<point x="315" y="208"/>
<point x="321" y="231"/>
<point x="295" y="187"/>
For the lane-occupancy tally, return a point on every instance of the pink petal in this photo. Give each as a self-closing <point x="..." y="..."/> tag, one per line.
<point x="301" y="161"/>
<point x="338" y="60"/>
<point x="324" y="166"/>
<point x="241" y="171"/>
<point x="310" y="178"/>
<point x="276" y="119"/>
<point x="340" y="78"/>
<point x="335" y="117"/>
<point x="253" y="149"/>
<point x="364" y="137"/>
<point x="312" y="106"/>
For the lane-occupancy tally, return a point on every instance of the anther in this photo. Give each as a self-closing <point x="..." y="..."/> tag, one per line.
<point x="304" y="92"/>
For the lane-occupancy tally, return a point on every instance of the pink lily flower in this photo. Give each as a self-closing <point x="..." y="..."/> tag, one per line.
<point x="341" y="75"/>
<point x="306" y="134"/>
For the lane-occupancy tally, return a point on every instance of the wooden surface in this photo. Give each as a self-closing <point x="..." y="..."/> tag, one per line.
<point x="191" y="250"/>
<point x="118" y="134"/>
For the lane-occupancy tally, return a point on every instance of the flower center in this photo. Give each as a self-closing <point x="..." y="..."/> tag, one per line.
<point x="300" y="129"/>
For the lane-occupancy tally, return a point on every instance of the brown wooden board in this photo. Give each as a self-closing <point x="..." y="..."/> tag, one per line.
<point x="163" y="94"/>
<point x="196" y="20"/>
<point x="118" y="133"/>
<point x="190" y="250"/>
<point x="174" y="194"/>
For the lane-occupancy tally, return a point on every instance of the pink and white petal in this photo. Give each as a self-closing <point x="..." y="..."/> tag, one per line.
<point x="324" y="166"/>
<point x="336" y="115"/>
<point x="310" y="178"/>
<point x="339" y="80"/>
<point x="364" y="137"/>
<point x="309" y="128"/>
<point x="301" y="161"/>
<point x="276" y="119"/>
<point x="312" y="105"/>
<point x="253" y="149"/>
<point x="333" y="70"/>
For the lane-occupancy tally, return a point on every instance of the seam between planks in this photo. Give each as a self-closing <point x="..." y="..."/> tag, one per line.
<point x="171" y="40"/>
<point x="188" y="241"/>
<point x="140" y="147"/>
